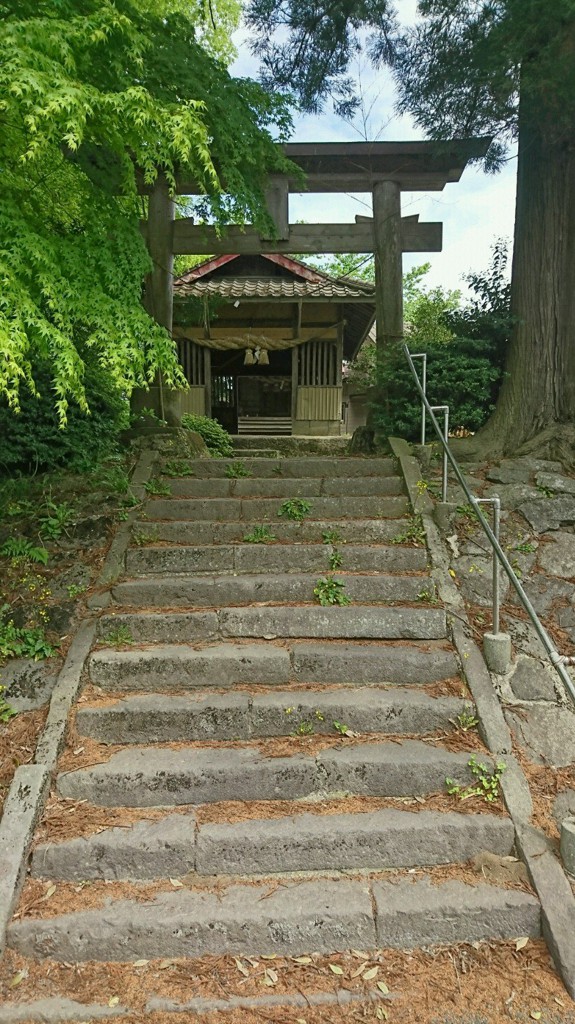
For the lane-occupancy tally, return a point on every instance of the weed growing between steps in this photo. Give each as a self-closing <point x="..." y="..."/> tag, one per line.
<point x="487" y="983"/>
<point x="259" y="535"/>
<point x="487" y="785"/>
<point x="177" y="467"/>
<point x="413" y="534"/>
<point x="330" y="591"/>
<point x="157" y="488"/>
<point x="237" y="470"/>
<point x="295" y="509"/>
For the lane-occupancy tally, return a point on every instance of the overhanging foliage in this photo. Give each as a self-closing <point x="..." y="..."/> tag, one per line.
<point x="112" y="85"/>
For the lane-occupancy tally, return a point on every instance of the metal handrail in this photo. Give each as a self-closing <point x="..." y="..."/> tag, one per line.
<point x="557" y="660"/>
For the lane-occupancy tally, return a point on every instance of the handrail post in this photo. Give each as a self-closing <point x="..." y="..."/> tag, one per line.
<point x="445" y="410"/>
<point x="423" y="357"/>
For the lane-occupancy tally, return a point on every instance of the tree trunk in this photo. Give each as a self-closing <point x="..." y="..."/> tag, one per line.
<point x="538" y="389"/>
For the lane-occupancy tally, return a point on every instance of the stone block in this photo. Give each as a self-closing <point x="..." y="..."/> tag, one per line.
<point x="533" y="681"/>
<point x="410" y="768"/>
<point x="144" y="850"/>
<point x="174" y="667"/>
<point x="414" y="914"/>
<point x="383" y="839"/>
<point x="140" y="777"/>
<point x="359" y="664"/>
<point x="308" y="917"/>
<point x="162" y="719"/>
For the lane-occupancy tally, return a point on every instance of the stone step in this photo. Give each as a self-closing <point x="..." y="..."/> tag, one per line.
<point x="270" y="623"/>
<point x="163" y="776"/>
<point x="259" y="558"/>
<point x="367" y="664"/>
<point x="349" y="531"/>
<point x="290" y="468"/>
<point x="174" y="846"/>
<point x="277" y="588"/>
<point x="257" y="510"/>
<point x="180" y="667"/>
<point x="311" y="916"/>
<point x="293" y="445"/>
<point x="155" y="718"/>
<point x="261" y="453"/>
<point x="277" y="487"/>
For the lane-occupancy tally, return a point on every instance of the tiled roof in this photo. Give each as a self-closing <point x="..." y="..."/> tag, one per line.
<point x="275" y="288"/>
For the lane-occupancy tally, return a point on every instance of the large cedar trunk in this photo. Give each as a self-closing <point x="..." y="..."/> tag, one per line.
<point x="538" y="390"/>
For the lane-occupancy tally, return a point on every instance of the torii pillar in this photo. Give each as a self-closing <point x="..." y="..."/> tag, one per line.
<point x="387" y="244"/>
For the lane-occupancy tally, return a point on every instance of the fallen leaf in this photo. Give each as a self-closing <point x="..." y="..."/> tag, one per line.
<point x="140" y="963"/>
<point x="535" y="1014"/>
<point x="270" y="976"/>
<point x="359" y="953"/>
<point x="79" y="750"/>
<point x="521" y="943"/>
<point x="335" y="969"/>
<point x="301" y="959"/>
<point x="269" y="956"/>
<point x="382" y="987"/>
<point x="300" y="1020"/>
<point x="359" y="971"/>
<point x="176" y="883"/>
<point x="114" y="1001"/>
<point x="243" y="970"/>
<point x="164" y="964"/>
<point x="381" y="1014"/>
<point x="370" y="975"/>
<point x="49" y="892"/>
<point x="452" y="573"/>
<point x="560" y="1001"/>
<point x="18" y="979"/>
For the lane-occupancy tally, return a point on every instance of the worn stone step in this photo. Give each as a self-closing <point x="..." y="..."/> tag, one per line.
<point x="245" y="589"/>
<point x="370" y="664"/>
<point x="180" y="667"/>
<point x="173" y="846"/>
<point x="311" y="916"/>
<point x="174" y="667"/>
<point x="349" y="531"/>
<point x="292" y="468"/>
<point x="259" y="558"/>
<point x="155" y="718"/>
<point x="377" y="840"/>
<point x="414" y="914"/>
<point x="152" y="776"/>
<point x="278" y="487"/>
<point x="359" y="622"/>
<point x="293" y="445"/>
<point x="257" y="510"/>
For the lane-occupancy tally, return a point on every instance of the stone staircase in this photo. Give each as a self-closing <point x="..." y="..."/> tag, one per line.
<point x="294" y="755"/>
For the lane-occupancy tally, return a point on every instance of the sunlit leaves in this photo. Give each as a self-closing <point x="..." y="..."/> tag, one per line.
<point x="90" y="89"/>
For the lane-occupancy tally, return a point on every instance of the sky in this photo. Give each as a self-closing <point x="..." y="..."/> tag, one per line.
<point x="476" y="211"/>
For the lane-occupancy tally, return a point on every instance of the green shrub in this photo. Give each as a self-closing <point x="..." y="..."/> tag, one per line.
<point x="461" y="373"/>
<point x="32" y="440"/>
<point x="217" y="440"/>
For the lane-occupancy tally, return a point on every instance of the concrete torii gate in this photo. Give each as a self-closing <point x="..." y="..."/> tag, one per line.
<point x="383" y="168"/>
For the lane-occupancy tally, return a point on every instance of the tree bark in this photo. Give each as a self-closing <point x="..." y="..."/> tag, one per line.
<point x="538" y="389"/>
